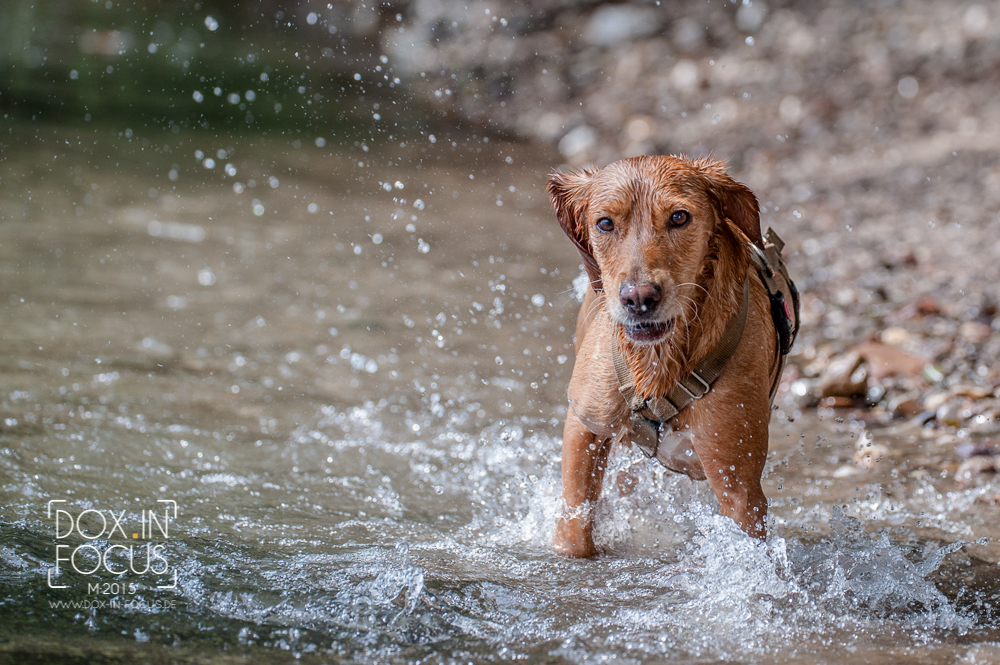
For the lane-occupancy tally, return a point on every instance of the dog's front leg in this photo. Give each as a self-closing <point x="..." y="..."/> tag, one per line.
<point x="736" y="483"/>
<point x="584" y="458"/>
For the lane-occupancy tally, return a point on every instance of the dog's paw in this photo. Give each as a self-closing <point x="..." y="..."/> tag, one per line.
<point x="574" y="540"/>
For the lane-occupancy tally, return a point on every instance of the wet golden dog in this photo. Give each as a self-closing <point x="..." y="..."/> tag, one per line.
<point x="666" y="242"/>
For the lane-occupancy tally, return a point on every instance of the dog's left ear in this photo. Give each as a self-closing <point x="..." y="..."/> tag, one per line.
<point x="737" y="203"/>
<point x="568" y="193"/>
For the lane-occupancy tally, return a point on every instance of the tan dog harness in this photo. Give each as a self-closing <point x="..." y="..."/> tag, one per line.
<point x="650" y="415"/>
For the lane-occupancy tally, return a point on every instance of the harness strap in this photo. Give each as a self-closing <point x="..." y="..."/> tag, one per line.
<point x="648" y="414"/>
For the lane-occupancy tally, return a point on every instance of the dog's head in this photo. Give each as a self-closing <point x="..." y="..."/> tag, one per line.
<point x="651" y="231"/>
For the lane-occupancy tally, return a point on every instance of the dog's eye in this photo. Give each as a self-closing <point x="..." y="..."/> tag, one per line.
<point x="680" y="218"/>
<point x="605" y="225"/>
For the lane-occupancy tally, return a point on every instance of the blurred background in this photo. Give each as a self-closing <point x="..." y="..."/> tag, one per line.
<point x="293" y="264"/>
<point x="876" y="117"/>
<point x="600" y="80"/>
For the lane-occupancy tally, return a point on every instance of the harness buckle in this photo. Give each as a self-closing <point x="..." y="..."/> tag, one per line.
<point x="704" y="387"/>
<point x="662" y="408"/>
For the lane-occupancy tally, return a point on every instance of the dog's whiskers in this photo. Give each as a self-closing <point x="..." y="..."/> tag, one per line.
<point x="697" y="286"/>
<point x="598" y="302"/>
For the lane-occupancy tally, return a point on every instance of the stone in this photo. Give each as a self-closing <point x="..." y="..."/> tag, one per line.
<point x="612" y="25"/>
<point x="839" y="379"/>
<point x="905" y="406"/>
<point x="950" y="413"/>
<point x="969" y="449"/>
<point x="895" y="336"/>
<point x="885" y="361"/>
<point x="934" y="401"/>
<point x="974" y="332"/>
<point x="973" y="391"/>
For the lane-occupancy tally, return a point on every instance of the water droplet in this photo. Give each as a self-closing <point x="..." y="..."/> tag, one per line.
<point x="908" y="87"/>
<point x="206" y="277"/>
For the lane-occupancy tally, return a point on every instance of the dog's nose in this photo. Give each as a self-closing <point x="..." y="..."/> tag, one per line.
<point x="639" y="298"/>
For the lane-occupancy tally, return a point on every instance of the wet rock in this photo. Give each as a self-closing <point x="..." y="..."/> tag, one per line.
<point x="838" y="402"/>
<point x="970" y="449"/>
<point x="934" y="401"/>
<point x="924" y="306"/>
<point x="842" y="378"/>
<point x="685" y="76"/>
<point x="895" y="336"/>
<point x="947" y="440"/>
<point x="905" y="406"/>
<point x="885" y="361"/>
<point x="973" y="391"/>
<point x="974" y="332"/>
<point x="950" y="413"/>
<point x="615" y="24"/>
<point x="969" y="471"/>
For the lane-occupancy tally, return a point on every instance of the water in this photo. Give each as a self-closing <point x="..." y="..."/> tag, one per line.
<point x="352" y="386"/>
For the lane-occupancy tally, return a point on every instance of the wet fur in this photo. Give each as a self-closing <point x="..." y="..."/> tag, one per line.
<point x="700" y="269"/>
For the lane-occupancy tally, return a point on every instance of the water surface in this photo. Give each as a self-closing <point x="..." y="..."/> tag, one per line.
<point x="347" y="367"/>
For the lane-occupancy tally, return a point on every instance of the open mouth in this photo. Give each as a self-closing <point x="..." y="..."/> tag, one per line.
<point x="652" y="331"/>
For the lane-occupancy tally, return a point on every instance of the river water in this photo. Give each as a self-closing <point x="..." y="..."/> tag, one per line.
<point x="345" y="366"/>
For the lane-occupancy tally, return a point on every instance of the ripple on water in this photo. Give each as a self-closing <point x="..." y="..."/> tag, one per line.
<point x="681" y="582"/>
<point x="378" y="544"/>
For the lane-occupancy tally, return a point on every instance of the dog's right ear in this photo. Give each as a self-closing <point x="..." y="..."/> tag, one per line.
<point x="568" y="193"/>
